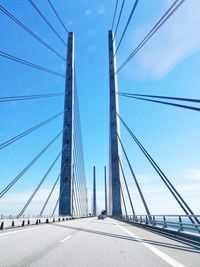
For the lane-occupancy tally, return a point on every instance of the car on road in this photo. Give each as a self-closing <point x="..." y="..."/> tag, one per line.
<point x="100" y="217"/>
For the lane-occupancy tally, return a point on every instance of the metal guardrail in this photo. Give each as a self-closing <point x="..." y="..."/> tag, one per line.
<point x="172" y="222"/>
<point x="8" y="222"/>
<point x="13" y="217"/>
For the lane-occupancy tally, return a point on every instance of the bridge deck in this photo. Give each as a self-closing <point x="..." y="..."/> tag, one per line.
<point x="92" y="242"/>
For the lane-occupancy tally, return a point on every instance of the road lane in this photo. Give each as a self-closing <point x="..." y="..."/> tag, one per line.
<point x="186" y="253"/>
<point x="100" y="243"/>
<point x="91" y="242"/>
<point x="37" y="240"/>
<point x="156" y="251"/>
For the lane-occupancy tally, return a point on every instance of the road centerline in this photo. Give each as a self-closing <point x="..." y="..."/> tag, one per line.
<point x="159" y="253"/>
<point x="65" y="239"/>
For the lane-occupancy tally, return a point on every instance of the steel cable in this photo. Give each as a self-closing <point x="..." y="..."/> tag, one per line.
<point x="28" y="131"/>
<point x="51" y="192"/>
<point x="57" y="15"/>
<point x="47" y="22"/>
<point x="7" y="188"/>
<point x="114" y="16"/>
<point x="61" y="192"/>
<point x="164" y="103"/>
<point x="27" y="97"/>
<point x="129" y="196"/>
<point x="39" y="185"/>
<point x="127" y="24"/>
<point x="169" y="185"/>
<point x="30" y="64"/>
<point x="123" y="199"/>
<point x="119" y="18"/>
<point x="162" y="97"/>
<point x="18" y="22"/>
<point x="157" y="26"/>
<point x="134" y="177"/>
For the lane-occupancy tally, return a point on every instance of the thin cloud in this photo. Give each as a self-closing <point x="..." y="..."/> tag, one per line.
<point x="88" y="13"/>
<point x="70" y="23"/>
<point x="101" y="10"/>
<point x="91" y="33"/>
<point x="192" y="174"/>
<point x="91" y="49"/>
<point x="23" y="196"/>
<point x="9" y="205"/>
<point x="178" y="39"/>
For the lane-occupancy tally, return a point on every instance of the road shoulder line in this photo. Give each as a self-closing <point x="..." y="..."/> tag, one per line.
<point x="156" y="251"/>
<point x="19" y="231"/>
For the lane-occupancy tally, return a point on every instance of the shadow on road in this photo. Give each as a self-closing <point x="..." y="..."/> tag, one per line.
<point x="188" y="248"/>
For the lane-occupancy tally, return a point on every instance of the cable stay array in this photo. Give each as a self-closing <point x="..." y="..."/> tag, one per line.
<point x="29" y="64"/>
<point x="126" y="184"/>
<point x="33" y="161"/>
<point x="173" y="101"/>
<point x="79" y="190"/>
<point x="60" y="195"/>
<point x="176" y="4"/>
<point x="127" y="24"/>
<point x="134" y="177"/>
<point x="119" y="18"/>
<point x="40" y="183"/>
<point x="58" y="16"/>
<point x="47" y="22"/>
<point x="51" y="192"/>
<point x="163" y="97"/>
<point x="27" y="97"/>
<point x="28" y="131"/>
<point x="34" y="35"/>
<point x="187" y="210"/>
<point x="123" y="199"/>
<point x="148" y="98"/>
<point x="79" y="181"/>
<point x="114" y="16"/>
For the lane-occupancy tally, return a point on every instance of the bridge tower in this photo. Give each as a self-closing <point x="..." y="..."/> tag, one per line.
<point x="105" y="181"/>
<point x="94" y="199"/>
<point x="66" y="179"/>
<point x="115" y="208"/>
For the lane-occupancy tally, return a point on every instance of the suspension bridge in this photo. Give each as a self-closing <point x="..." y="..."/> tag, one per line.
<point x="65" y="231"/>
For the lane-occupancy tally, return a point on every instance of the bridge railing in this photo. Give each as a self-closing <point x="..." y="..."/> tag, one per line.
<point x="179" y="223"/>
<point x="7" y="222"/>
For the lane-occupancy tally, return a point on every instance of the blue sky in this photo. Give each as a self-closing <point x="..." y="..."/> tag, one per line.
<point x="167" y="65"/>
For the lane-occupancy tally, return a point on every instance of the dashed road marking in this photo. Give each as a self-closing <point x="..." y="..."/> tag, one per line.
<point x="65" y="239"/>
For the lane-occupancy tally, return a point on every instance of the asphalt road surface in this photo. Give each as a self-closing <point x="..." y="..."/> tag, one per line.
<point x="93" y="243"/>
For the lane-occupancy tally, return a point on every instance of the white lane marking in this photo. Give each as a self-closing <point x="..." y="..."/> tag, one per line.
<point x="19" y="231"/>
<point x="65" y="239"/>
<point x="156" y="251"/>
